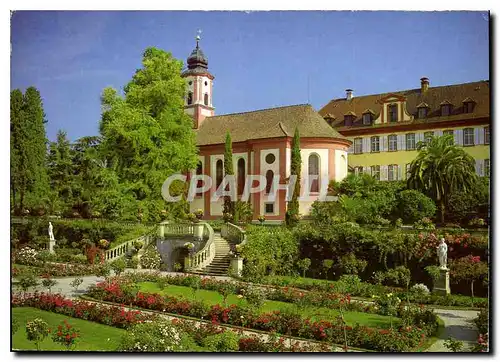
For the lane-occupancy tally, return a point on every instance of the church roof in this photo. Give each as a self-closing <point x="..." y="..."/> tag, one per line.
<point x="265" y="123"/>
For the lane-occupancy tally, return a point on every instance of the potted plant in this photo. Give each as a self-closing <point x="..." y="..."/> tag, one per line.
<point x="261" y="219"/>
<point x="190" y="247"/>
<point x="227" y="217"/>
<point x="199" y="214"/>
<point x="103" y="244"/>
<point x="192" y="217"/>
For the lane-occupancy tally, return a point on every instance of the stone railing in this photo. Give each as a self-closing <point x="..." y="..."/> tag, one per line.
<point x="123" y="248"/>
<point x="166" y="228"/>
<point x="205" y="256"/>
<point x="234" y="234"/>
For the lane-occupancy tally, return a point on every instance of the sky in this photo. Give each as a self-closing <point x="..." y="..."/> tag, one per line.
<point x="259" y="59"/>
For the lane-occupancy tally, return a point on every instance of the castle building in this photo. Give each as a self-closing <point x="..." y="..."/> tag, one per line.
<point x="262" y="142"/>
<point x="385" y="128"/>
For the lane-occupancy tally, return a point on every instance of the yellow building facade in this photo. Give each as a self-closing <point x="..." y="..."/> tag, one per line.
<point x="385" y="128"/>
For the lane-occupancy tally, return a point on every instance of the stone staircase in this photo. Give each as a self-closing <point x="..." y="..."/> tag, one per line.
<point x="220" y="265"/>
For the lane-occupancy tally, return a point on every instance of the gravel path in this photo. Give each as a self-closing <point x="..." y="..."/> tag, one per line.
<point x="457" y="325"/>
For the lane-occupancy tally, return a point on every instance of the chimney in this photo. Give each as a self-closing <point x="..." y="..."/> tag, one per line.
<point x="349" y="94"/>
<point x="424" y="84"/>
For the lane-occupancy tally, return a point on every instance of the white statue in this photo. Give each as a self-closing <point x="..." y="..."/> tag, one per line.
<point x="442" y="251"/>
<point x="51" y="234"/>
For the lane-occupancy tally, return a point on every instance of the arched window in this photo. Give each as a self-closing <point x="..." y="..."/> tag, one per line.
<point x="314" y="171"/>
<point x="190" y="98"/>
<point x="199" y="171"/>
<point x="241" y="175"/>
<point x="206" y="99"/>
<point x="269" y="181"/>
<point x="219" y="173"/>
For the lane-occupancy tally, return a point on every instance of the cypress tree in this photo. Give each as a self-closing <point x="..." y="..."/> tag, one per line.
<point x="228" y="170"/>
<point x="18" y="149"/>
<point x="292" y="213"/>
<point x="34" y="119"/>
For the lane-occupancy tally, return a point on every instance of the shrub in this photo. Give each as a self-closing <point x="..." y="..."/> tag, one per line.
<point x="157" y="336"/>
<point x="65" y="335"/>
<point x="419" y="290"/>
<point x="76" y="283"/>
<point x="222" y="342"/>
<point x="133" y="262"/>
<point x="78" y="259"/>
<point x="46" y="256"/>
<point x="151" y="258"/>
<point x="482" y="321"/>
<point x="27" y="256"/>
<point x="269" y="252"/>
<point x="414" y="205"/>
<point x="27" y="280"/>
<point x="453" y="344"/>
<point x="352" y="265"/>
<point x="14" y="326"/>
<point x="48" y="282"/>
<point x="254" y="296"/>
<point x="118" y="266"/>
<point x="304" y="265"/>
<point x="36" y="331"/>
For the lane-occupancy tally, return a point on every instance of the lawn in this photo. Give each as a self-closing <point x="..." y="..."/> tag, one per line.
<point x="93" y="336"/>
<point x="313" y="313"/>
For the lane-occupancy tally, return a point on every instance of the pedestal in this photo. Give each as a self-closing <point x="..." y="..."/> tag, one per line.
<point x="236" y="266"/>
<point x="198" y="231"/>
<point x="442" y="284"/>
<point x="51" y="246"/>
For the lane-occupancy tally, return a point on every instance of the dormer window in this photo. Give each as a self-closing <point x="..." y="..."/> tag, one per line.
<point x="445" y="108"/>
<point x="423" y="110"/>
<point x="329" y="118"/>
<point x="393" y="112"/>
<point x="468" y="105"/>
<point x="349" y="118"/>
<point x="367" y="117"/>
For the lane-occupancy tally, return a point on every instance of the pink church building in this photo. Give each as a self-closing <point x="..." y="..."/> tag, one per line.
<point x="262" y="141"/>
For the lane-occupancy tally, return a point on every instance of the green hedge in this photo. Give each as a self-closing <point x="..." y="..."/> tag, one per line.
<point x="70" y="233"/>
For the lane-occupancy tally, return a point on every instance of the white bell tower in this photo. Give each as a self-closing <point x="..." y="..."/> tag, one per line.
<point x="198" y="101"/>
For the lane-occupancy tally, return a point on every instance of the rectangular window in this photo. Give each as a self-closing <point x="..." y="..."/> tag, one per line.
<point x="408" y="166"/>
<point x="487" y="135"/>
<point x="269" y="208"/>
<point x="448" y="132"/>
<point x="358" y="170"/>
<point x="393" y="112"/>
<point x="376" y="172"/>
<point x="487" y="167"/>
<point x="393" y="142"/>
<point x="392" y="174"/>
<point x="468" y="136"/>
<point x="375" y="141"/>
<point x="445" y="110"/>
<point x="367" y="119"/>
<point x="428" y="136"/>
<point x="410" y="141"/>
<point x="468" y="107"/>
<point x="358" y="145"/>
<point x="422" y="112"/>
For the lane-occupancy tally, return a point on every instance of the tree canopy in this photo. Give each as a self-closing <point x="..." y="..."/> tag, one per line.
<point x="440" y="168"/>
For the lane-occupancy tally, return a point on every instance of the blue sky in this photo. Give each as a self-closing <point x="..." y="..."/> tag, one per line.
<point x="259" y="59"/>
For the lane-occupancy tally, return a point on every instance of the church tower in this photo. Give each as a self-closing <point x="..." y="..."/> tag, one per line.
<point x="198" y="102"/>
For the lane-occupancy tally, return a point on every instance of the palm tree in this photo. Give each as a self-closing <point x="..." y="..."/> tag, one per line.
<point x="440" y="168"/>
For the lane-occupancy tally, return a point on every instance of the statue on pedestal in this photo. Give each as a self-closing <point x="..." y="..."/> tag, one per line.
<point x="51" y="233"/>
<point x="442" y="252"/>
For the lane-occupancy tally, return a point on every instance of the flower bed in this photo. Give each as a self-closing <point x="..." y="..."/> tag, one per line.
<point x="57" y="270"/>
<point x="366" y="290"/>
<point x="403" y="339"/>
<point x="57" y="303"/>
